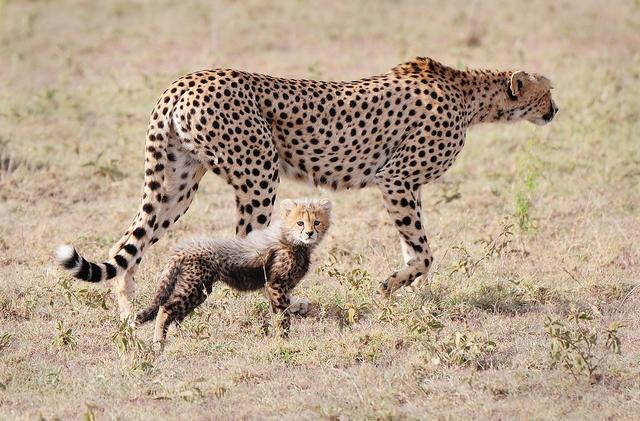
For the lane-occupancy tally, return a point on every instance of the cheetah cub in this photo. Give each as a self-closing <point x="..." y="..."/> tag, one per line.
<point x="275" y="258"/>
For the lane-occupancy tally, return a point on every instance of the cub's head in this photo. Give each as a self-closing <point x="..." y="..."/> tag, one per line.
<point x="528" y="97"/>
<point x="306" y="221"/>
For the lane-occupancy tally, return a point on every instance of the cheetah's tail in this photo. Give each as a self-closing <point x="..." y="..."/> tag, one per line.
<point x="128" y="251"/>
<point x="168" y="280"/>
<point x="69" y="258"/>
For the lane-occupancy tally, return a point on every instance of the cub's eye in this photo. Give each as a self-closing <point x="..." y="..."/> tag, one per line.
<point x="316" y="223"/>
<point x="300" y="223"/>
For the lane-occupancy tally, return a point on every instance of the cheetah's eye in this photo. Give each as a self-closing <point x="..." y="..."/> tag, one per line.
<point x="300" y="223"/>
<point x="316" y="223"/>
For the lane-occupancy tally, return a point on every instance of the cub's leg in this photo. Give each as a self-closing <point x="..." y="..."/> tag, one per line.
<point x="279" y="299"/>
<point x="188" y="294"/>
<point x="404" y="207"/>
<point x="163" y="320"/>
<point x="173" y="310"/>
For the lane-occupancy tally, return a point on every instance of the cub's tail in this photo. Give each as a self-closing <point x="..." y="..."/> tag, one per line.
<point x="79" y="267"/>
<point x="167" y="281"/>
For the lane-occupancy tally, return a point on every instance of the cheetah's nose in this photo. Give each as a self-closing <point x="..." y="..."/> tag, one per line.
<point x="309" y="234"/>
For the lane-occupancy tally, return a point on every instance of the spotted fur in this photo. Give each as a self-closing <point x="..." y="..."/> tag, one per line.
<point x="275" y="258"/>
<point x="396" y="131"/>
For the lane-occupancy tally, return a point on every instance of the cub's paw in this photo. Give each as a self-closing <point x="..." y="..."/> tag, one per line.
<point x="132" y="322"/>
<point x="126" y="315"/>
<point x="298" y="305"/>
<point x="158" y="347"/>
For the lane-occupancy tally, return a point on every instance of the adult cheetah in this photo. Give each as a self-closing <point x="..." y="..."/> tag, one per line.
<point x="396" y="131"/>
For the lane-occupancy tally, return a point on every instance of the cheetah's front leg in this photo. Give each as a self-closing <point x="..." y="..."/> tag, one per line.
<point x="280" y="302"/>
<point x="404" y="208"/>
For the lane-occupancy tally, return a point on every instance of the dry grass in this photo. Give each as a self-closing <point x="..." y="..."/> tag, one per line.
<point x="531" y="223"/>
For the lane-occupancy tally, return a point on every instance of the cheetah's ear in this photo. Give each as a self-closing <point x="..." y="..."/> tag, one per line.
<point x="325" y="205"/>
<point x="286" y="206"/>
<point x="516" y="83"/>
<point x="543" y="81"/>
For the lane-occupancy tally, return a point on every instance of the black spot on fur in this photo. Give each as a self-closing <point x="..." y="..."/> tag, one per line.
<point x="96" y="273"/>
<point x="139" y="232"/>
<point x="84" y="270"/>
<point x="131" y="249"/>
<point x="111" y="270"/>
<point x="121" y="261"/>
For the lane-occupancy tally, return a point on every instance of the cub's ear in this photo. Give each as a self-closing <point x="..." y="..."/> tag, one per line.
<point x="516" y="83"/>
<point x="325" y="205"/>
<point x="286" y="206"/>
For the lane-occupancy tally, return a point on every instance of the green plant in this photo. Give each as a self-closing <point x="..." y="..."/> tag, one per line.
<point x="196" y="325"/>
<point x="525" y="293"/>
<point x="462" y="349"/>
<point x="422" y="322"/>
<point x="493" y="247"/>
<point x="91" y="297"/>
<point x="286" y="353"/>
<point x="357" y="299"/>
<point x="497" y="246"/>
<point x="108" y="170"/>
<point x="128" y="345"/>
<point x="351" y="313"/>
<point x="46" y="102"/>
<point x="527" y="173"/>
<point x="198" y="330"/>
<point x="388" y="311"/>
<point x="5" y="340"/>
<point x="126" y="340"/>
<point x="356" y="278"/>
<point x="369" y="348"/>
<point x="89" y="415"/>
<point x="449" y="193"/>
<point x="190" y="391"/>
<point x="456" y="349"/>
<point x="464" y="264"/>
<point x="258" y="310"/>
<point x="580" y="348"/>
<point x="64" y="336"/>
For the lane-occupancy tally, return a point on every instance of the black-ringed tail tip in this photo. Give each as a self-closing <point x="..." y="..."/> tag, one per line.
<point x="79" y="267"/>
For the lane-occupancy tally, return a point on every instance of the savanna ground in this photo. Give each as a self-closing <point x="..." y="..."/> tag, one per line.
<point x="535" y="229"/>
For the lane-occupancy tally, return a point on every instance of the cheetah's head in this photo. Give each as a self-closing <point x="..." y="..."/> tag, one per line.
<point x="306" y="220"/>
<point x="529" y="98"/>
